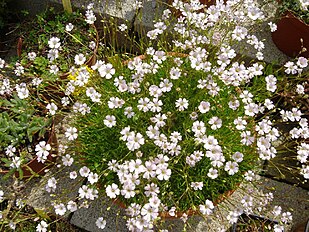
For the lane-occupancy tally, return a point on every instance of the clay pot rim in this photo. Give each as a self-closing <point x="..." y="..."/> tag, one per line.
<point x="291" y="14"/>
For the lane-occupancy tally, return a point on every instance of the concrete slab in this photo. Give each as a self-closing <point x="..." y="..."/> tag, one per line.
<point x="85" y="218"/>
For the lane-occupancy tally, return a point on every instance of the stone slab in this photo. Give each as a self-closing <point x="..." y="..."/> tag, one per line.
<point x="85" y="218"/>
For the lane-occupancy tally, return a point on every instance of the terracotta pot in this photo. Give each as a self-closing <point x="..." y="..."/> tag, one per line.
<point x="290" y="31"/>
<point x="34" y="166"/>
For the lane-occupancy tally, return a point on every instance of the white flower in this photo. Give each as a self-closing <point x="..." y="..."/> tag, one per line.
<point x="53" y="54"/>
<point x="92" y="45"/>
<point x="65" y="101"/>
<point x="71" y="133"/>
<point x="302" y="62"/>
<point x="163" y="173"/>
<point x="197" y="185"/>
<point x="10" y="150"/>
<point x="300" y="89"/>
<point x="22" y="91"/>
<point x="42" y="151"/>
<point x="52" y="107"/>
<point x="37" y="81"/>
<point x="31" y="56"/>
<point x="135" y="140"/>
<point x="69" y="27"/>
<point x="110" y="121"/>
<point x="16" y="162"/>
<point x="231" y="167"/>
<point x="42" y="227"/>
<point x="73" y="175"/>
<point x="106" y="70"/>
<point x="54" y="69"/>
<point x="182" y="104"/>
<point x="204" y="107"/>
<point x="2" y="63"/>
<point x="67" y="160"/>
<point x="207" y="209"/>
<point x="90" y="17"/>
<point x="72" y="206"/>
<point x="249" y="176"/>
<point x="238" y="157"/>
<point x="212" y="173"/>
<point x="112" y="191"/>
<point x="123" y="27"/>
<point x="272" y="26"/>
<point x="84" y="171"/>
<point x="60" y="209"/>
<point x="278" y="228"/>
<point x="215" y="123"/>
<point x="93" y="177"/>
<point x="1" y="195"/>
<point x="51" y="184"/>
<point x="101" y="223"/>
<point x="80" y="59"/>
<point x="54" y="43"/>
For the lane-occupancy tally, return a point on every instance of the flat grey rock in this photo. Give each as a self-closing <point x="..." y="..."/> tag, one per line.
<point x="85" y="218"/>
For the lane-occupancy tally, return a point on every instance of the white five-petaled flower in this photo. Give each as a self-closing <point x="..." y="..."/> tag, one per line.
<point x="101" y="223"/>
<point x="69" y="27"/>
<point x="54" y="43"/>
<point x="106" y="70"/>
<point x="71" y="133"/>
<point x="207" y="208"/>
<point x="84" y="171"/>
<point x="60" y="209"/>
<point x="123" y="27"/>
<point x="215" y="123"/>
<point x="134" y="141"/>
<point x="42" y="227"/>
<point x="204" y="107"/>
<point x="182" y="104"/>
<point x="52" y="107"/>
<point x="112" y="191"/>
<point x="231" y="167"/>
<point x="42" y="151"/>
<point x="110" y="121"/>
<point x="80" y="59"/>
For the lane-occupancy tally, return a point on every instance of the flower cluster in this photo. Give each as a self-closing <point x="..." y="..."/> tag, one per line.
<point x="165" y="129"/>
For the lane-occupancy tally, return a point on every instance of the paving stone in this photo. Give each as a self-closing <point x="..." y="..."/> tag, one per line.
<point x="85" y="218"/>
<point x="67" y="189"/>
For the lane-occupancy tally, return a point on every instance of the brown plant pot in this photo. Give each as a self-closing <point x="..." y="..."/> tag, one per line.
<point x="36" y="167"/>
<point x="290" y="31"/>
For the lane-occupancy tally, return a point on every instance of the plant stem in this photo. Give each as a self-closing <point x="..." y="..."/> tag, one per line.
<point x="67" y="6"/>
